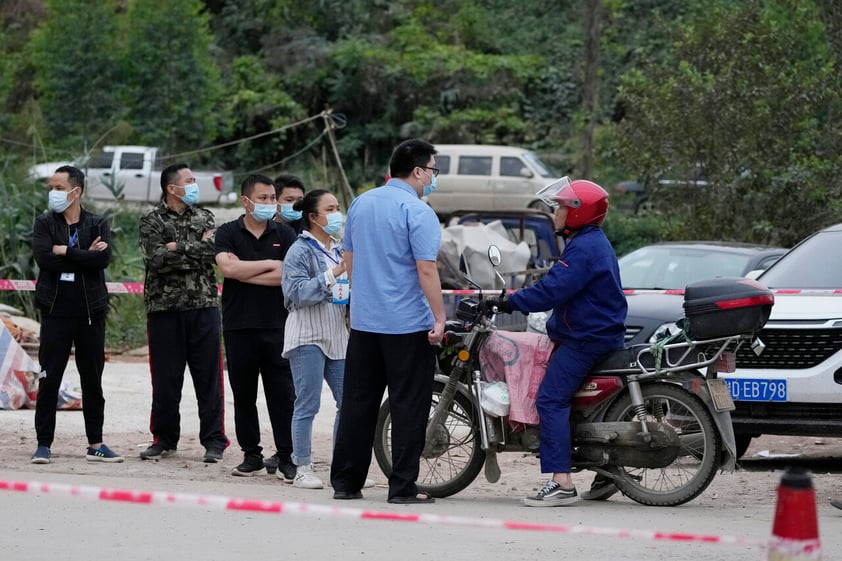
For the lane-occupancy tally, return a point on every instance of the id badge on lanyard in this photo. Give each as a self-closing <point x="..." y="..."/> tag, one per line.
<point x="341" y="290"/>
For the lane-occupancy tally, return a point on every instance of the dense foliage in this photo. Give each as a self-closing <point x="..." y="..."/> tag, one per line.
<point x="724" y="110"/>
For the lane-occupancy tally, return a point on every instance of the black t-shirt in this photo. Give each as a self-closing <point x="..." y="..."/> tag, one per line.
<point x="244" y="305"/>
<point x="70" y="296"/>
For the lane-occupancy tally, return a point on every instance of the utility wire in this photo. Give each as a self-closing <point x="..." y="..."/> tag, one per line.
<point x="247" y="139"/>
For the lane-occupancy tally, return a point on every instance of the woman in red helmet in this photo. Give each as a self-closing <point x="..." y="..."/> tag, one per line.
<point x="589" y="311"/>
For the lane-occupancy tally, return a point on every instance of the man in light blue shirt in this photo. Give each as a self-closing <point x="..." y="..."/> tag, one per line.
<point x="397" y="315"/>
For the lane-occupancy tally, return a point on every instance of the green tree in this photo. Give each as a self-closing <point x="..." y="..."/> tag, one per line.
<point x="172" y="83"/>
<point x="256" y="102"/>
<point x="77" y="71"/>
<point x="749" y="97"/>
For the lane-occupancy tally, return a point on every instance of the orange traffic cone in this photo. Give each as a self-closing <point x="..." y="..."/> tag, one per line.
<point x="795" y="531"/>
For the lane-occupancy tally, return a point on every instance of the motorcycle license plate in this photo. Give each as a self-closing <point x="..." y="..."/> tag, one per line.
<point x="721" y="395"/>
<point x="757" y="389"/>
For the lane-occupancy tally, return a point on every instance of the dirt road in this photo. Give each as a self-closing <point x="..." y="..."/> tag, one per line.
<point x="737" y="504"/>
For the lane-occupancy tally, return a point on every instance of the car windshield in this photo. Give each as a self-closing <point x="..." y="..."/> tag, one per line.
<point x="543" y="169"/>
<point x="815" y="263"/>
<point x="665" y="267"/>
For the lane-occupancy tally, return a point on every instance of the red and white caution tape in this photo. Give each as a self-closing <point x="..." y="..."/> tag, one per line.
<point x="188" y="500"/>
<point x="137" y="288"/>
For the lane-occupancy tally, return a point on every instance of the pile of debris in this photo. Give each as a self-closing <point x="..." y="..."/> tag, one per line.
<point x="24" y="330"/>
<point x="19" y="369"/>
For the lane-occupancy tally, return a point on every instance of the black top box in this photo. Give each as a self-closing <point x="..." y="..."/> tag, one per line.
<point x="723" y="307"/>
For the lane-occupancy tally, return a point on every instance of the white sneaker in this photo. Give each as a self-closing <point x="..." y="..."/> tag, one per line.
<point x="306" y="479"/>
<point x="368" y="484"/>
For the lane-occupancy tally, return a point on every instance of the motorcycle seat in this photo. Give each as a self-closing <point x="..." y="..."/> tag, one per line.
<point x="625" y="361"/>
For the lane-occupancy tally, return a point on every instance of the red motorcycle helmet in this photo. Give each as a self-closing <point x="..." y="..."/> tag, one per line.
<point x="587" y="202"/>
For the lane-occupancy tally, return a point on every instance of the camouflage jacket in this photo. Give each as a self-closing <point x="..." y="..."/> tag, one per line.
<point x="183" y="279"/>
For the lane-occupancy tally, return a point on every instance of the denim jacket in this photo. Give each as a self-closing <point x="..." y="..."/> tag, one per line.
<point x="306" y="280"/>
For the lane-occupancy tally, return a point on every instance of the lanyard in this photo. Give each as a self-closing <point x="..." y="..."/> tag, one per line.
<point x="315" y="244"/>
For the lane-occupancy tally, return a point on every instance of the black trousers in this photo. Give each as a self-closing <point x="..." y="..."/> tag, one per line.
<point x="252" y="354"/>
<point x="405" y="364"/>
<point x="179" y="339"/>
<point x="58" y="335"/>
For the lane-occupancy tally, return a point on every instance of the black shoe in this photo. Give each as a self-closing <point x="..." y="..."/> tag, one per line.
<point x="286" y="470"/>
<point x="601" y="489"/>
<point x="252" y="465"/>
<point x="271" y="463"/>
<point x="156" y="452"/>
<point x="347" y="495"/>
<point x="420" y="498"/>
<point x="213" y="455"/>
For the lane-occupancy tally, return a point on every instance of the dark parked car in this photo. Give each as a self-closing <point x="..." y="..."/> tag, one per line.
<point x="654" y="277"/>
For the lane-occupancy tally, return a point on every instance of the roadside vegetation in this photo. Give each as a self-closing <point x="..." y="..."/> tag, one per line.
<point x="726" y="112"/>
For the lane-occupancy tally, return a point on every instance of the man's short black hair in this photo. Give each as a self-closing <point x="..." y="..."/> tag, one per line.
<point x="74" y="176"/>
<point x="170" y="174"/>
<point x="247" y="186"/>
<point x="409" y="155"/>
<point x="288" y="180"/>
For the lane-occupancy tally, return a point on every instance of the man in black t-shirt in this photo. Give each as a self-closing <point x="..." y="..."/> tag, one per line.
<point x="250" y="252"/>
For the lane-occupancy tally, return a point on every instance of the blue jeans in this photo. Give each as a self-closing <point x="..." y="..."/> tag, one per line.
<point x="309" y="365"/>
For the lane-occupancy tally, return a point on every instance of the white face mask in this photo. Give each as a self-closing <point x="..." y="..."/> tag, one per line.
<point x="58" y="201"/>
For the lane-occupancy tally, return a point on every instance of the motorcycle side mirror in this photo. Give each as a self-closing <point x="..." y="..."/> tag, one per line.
<point x="494" y="255"/>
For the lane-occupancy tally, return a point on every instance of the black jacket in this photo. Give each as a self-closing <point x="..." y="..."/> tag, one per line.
<point x="51" y="229"/>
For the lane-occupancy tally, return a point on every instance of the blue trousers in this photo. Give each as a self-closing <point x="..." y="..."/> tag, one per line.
<point x="568" y="366"/>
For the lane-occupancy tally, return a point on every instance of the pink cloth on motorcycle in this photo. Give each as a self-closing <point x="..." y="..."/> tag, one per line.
<point x="519" y="359"/>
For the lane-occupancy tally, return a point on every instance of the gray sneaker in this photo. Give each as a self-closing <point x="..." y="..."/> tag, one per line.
<point x="212" y="455"/>
<point x="837" y="503"/>
<point x="552" y="494"/>
<point x="156" y="452"/>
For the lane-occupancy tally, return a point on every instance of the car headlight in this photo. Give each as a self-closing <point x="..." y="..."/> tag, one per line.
<point x="664" y="330"/>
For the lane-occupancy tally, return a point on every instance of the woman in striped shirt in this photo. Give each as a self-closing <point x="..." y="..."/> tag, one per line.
<point x="316" y="336"/>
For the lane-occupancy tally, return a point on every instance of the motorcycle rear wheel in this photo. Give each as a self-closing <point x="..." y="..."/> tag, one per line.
<point x="698" y="459"/>
<point x="456" y="457"/>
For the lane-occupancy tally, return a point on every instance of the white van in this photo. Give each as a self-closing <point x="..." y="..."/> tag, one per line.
<point x="479" y="177"/>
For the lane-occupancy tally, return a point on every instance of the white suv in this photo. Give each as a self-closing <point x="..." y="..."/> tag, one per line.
<point x="795" y="386"/>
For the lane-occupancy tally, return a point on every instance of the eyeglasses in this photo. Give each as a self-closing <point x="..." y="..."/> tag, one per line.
<point x="434" y="171"/>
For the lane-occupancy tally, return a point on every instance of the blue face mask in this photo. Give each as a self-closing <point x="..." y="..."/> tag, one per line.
<point x="288" y="214"/>
<point x="430" y="188"/>
<point x="334" y="223"/>
<point x="262" y="213"/>
<point x="191" y="194"/>
<point x="57" y="201"/>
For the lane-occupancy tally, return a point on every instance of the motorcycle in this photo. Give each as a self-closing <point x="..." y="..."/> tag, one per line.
<point x="645" y="417"/>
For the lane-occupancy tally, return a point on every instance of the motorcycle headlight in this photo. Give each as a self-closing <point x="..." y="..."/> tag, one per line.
<point x="664" y="330"/>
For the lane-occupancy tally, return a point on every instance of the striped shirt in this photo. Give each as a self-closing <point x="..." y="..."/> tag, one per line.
<point x="313" y="317"/>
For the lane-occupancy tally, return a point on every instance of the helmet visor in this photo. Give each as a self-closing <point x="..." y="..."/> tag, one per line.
<point x="559" y="193"/>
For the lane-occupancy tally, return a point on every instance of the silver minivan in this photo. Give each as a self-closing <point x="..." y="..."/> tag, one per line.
<point x="480" y="177"/>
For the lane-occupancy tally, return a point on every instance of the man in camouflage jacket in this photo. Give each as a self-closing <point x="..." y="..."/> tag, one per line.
<point x="182" y="311"/>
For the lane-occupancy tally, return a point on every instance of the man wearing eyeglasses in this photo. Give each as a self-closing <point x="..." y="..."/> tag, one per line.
<point x="397" y="314"/>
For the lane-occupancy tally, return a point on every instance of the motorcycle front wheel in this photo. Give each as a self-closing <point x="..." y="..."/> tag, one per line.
<point x="455" y="457"/>
<point x="700" y="450"/>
